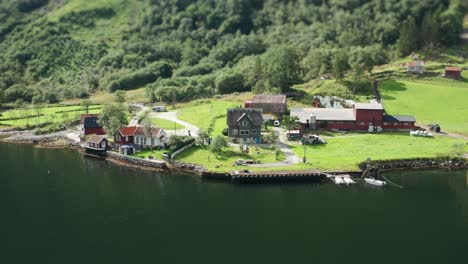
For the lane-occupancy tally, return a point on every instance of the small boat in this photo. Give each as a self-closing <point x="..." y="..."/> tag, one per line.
<point x="348" y="181"/>
<point x="338" y="180"/>
<point x="375" y="182"/>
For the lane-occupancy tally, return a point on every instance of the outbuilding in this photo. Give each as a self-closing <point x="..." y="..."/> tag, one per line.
<point x="89" y="124"/>
<point x="453" y="72"/>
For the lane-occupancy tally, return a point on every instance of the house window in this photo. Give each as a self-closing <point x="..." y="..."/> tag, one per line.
<point x="386" y="123"/>
<point x="137" y="140"/>
<point x="254" y="131"/>
<point x="144" y="141"/>
<point x="396" y="123"/>
<point x="361" y="123"/>
<point x="244" y="132"/>
<point x="152" y="141"/>
<point x="235" y="132"/>
<point x="406" y="124"/>
<point x="126" y="138"/>
<point x="245" y="123"/>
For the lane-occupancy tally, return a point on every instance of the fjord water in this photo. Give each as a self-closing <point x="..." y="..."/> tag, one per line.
<point x="59" y="207"/>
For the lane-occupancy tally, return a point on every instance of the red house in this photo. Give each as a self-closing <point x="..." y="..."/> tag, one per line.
<point x="90" y="125"/>
<point x="125" y="136"/>
<point x="363" y="116"/>
<point x="453" y="72"/>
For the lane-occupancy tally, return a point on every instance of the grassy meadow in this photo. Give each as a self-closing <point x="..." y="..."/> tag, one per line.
<point x="345" y="152"/>
<point x="200" y="112"/>
<point x="27" y="117"/>
<point x="225" y="160"/>
<point x="434" y="100"/>
<point x="166" y="124"/>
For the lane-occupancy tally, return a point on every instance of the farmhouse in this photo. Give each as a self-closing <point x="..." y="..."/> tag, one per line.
<point x="453" y="72"/>
<point x="244" y="125"/>
<point x="273" y="106"/>
<point x="362" y="117"/>
<point x="415" y="67"/>
<point x="89" y="124"/>
<point x="140" y="138"/>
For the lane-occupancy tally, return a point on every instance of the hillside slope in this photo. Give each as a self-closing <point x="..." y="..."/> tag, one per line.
<point x="53" y="49"/>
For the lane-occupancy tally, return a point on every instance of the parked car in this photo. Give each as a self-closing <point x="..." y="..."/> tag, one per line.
<point x="276" y="123"/>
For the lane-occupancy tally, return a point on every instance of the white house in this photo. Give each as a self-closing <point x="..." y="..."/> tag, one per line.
<point x="157" y="137"/>
<point x="415" y="67"/>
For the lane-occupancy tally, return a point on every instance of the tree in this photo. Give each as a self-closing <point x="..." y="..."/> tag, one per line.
<point x="203" y="137"/>
<point x="281" y="67"/>
<point x="430" y="29"/>
<point x="85" y="104"/>
<point x="340" y="64"/>
<point x="113" y="117"/>
<point x="291" y="122"/>
<point x="409" y="38"/>
<point x="218" y="144"/>
<point x="119" y="96"/>
<point x="258" y="77"/>
<point x="271" y="137"/>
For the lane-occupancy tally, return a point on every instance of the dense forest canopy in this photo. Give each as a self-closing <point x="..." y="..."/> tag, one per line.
<point x="53" y="49"/>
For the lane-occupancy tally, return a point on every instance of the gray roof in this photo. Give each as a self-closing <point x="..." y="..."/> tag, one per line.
<point x="235" y="114"/>
<point x="368" y="106"/>
<point x="270" y="103"/>
<point x="398" y="118"/>
<point x="332" y="114"/>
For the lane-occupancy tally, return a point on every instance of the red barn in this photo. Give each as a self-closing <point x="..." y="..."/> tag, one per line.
<point x="90" y="125"/>
<point x="453" y="72"/>
<point x="363" y="116"/>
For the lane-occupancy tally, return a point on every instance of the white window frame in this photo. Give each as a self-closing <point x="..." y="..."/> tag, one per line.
<point x="244" y="123"/>
<point x="235" y="132"/>
<point x="254" y="131"/>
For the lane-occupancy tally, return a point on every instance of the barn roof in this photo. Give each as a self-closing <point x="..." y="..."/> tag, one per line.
<point x="85" y="116"/>
<point x="270" y="103"/>
<point x="332" y="114"/>
<point x="96" y="139"/>
<point x="458" y="69"/>
<point x="235" y="114"/>
<point x="399" y="118"/>
<point x="368" y="106"/>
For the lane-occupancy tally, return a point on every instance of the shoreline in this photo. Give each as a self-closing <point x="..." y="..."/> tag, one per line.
<point x="59" y="140"/>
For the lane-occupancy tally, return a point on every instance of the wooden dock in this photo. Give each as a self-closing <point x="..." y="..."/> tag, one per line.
<point x="280" y="176"/>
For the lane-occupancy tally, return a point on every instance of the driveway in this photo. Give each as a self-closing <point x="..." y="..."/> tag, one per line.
<point x="172" y="116"/>
<point x="290" y="156"/>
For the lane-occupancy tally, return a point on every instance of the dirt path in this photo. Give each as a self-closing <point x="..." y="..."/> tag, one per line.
<point x="290" y="156"/>
<point x="172" y="116"/>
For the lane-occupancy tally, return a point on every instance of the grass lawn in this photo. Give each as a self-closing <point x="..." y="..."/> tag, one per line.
<point x="225" y="160"/>
<point x="166" y="124"/>
<point x="345" y="152"/>
<point x="200" y="112"/>
<point x="156" y="154"/>
<point x="435" y="100"/>
<point x="52" y="114"/>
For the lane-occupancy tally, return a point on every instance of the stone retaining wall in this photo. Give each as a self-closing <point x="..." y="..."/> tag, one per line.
<point x="158" y="164"/>
<point x="442" y="162"/>
<point x="193" y="168"/>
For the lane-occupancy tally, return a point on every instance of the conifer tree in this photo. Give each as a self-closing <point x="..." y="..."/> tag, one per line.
<point x="409" y="38"/>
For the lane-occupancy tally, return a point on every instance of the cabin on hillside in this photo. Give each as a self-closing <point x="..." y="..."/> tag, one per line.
<point x="244" y="125"/>
<point x="273" y="106"/>
<point x="89" y="124"/>
<point x="453" y="72"/>
<point x="415" y="67"/>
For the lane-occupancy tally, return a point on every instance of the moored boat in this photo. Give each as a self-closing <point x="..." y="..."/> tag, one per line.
<point x="348" y="181"/>
<point x="375" y="182"/>
<point x="338" y="180"/>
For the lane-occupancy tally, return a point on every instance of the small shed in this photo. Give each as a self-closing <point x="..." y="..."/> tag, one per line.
<point x="97" y="145"/>
<point x="453" y="72"/>
<point x="127" y="149"/>
<point x="293" y="134"/>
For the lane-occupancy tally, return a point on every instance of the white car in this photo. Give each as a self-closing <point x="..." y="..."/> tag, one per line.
<point x="276" y="123"/>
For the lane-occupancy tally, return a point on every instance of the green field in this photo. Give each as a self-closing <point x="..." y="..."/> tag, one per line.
<point x="341" y="152"/>
<point x="434" y="100"/>
<point x="156" y="154"/>
<point x="225" y="160"/>
<point x="166" y="124"/>
<point x="345" y="152"/>
<point x="200" y="113"/>
<point x="54" y="114"/>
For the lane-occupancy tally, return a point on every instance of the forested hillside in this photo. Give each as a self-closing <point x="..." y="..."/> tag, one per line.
<point x="56" y="49"/>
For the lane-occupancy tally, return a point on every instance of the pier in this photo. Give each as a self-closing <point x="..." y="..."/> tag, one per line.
<point x="280" y="176"/>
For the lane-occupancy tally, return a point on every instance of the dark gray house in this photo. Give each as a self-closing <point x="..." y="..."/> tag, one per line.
<point x="244" y="125"/>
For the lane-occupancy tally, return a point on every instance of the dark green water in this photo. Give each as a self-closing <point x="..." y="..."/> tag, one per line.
<point x="92" y="211"/>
